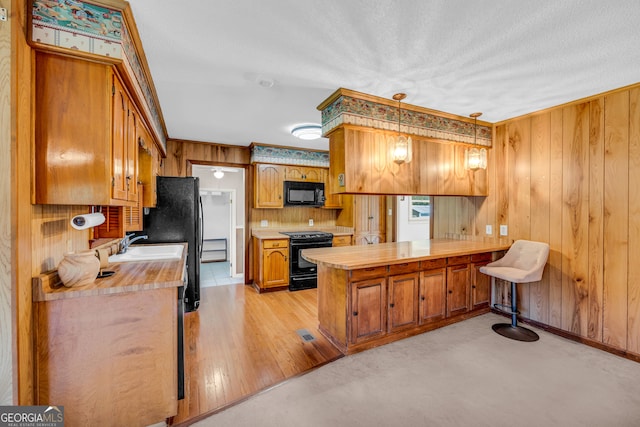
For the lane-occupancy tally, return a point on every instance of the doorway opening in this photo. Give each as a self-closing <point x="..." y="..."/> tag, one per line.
<point x="222" y="196"/>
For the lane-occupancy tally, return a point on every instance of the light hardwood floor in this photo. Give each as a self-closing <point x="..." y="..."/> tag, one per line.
<point x="240" y="342"/>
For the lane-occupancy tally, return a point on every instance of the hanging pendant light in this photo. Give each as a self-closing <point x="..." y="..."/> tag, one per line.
<point x="475" y="158"/>
<point x="400" y="147"/>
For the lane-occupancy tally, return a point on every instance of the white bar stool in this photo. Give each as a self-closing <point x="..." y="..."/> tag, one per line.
<point x="523" y="263"/>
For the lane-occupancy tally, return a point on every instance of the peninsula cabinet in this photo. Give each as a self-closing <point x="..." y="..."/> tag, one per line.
<point x="368" y="309"/>
<point x="86" y="150"/>
<point x="359" y="165"/>
<point x="269" y="186"/>
<point x="271" y="263"/>
<point x="403" y="301"/>
<point x="433" y="288"/>
<point x="458" y="286"/>
<point x="377" y="294"/>
<point x="480" y="282"/>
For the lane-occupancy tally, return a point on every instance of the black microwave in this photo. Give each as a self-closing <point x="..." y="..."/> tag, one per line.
<point x="303" y="193"/>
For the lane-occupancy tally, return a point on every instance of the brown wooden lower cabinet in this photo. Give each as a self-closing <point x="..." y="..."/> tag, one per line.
<point x="433" y="291"/>
<point x="368" y="309"/>
<point x="386" y="303"/>
<point x="271" y="263"/>
<point x="403" y="301"/>
<point x="458" y="288"/>
<point x="480" y="283"/>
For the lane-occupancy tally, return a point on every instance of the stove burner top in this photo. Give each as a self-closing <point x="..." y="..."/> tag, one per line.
<point x="308" y="235"/>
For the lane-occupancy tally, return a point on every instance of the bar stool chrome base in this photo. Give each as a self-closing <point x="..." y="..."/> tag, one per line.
<point x="517" y="333"/>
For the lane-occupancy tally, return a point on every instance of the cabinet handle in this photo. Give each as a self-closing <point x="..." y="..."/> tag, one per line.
<point x="391" y="305"/>
<point x="473" y="286"/>
<point x="422" y="298"/>
<point x="450" y="291"/>
<point x="355" y="313"/>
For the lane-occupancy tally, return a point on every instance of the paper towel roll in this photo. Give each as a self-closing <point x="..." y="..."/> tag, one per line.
<point x="82" y="222"/>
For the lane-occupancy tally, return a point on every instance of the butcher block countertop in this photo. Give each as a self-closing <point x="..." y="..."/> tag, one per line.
<point x="128" y="277"/>
<point x="364" y="256"/>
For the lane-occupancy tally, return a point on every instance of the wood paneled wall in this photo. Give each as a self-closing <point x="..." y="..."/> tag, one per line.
<point x="6" y="332"/>
<point x="181" y="154"/>
<point x="568" y="176"/>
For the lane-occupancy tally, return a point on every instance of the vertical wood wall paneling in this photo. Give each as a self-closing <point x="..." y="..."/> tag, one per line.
<point x="519" y="156"/>
<point x="633" y="284"/>
<point x="596" y="224"/>
<point x="501" y="191"/>
<point x="7" y="211"/>
<point x="540" y="176"/>
<point x="616" y="218"/>
<point x="555" y="218"/>
<point x="575" y="218"/>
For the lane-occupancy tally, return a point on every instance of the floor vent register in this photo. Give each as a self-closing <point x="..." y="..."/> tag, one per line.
<point x="305" y="335"/>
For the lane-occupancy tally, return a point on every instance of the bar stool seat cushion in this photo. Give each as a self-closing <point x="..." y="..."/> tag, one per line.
<point x="523" y="263"/>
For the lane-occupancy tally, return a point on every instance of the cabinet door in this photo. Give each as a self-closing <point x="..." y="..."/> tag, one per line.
<point x="119" y="120"/>
<point x="131" y="158"/>
<point x="303" y="173"/>
<point x="433" y="301"/>
<point x="403" y="301"/>
<point x="480" y="286"/>
<point x="269" y="186"/>
<point x="368" y="309"/>
<point x="458" y="289"/>
<point x="369" y="218"/>
<point x="133" y="214"/>
<point x="275" y="264"/>
<point x="332" y="201"/>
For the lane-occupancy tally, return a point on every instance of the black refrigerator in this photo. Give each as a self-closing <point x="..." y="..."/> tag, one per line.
<point x="177" y="218"/>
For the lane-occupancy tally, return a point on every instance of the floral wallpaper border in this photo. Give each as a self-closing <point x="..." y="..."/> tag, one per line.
<point x="91" y="28"/>
<point x="349" y="110"/>
<point x="289" y="156"/>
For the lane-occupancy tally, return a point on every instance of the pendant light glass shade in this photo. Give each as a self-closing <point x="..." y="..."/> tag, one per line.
<point x="475" y="158"/>
<point x="400" y="147"/>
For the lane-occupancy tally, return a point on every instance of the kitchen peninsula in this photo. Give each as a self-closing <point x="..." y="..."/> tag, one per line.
<point x="375" y="294"/>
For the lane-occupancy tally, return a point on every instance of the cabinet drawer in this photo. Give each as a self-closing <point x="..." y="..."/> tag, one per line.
<point x="365" y="273"/>
<point x="405" y="267"/>
<point x="432" y="264"/>
<point x="341" y="241"/>
<point x="481" y="257"/>
<point x="455" y="260"/>
<point x="269" y="244"/>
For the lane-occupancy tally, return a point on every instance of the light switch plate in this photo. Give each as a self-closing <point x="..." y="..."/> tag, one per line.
<point x="310" y="223"/>
<point x="504" y="230"/>
<point x="264" y="223"/>
<point x="488" y="229"/>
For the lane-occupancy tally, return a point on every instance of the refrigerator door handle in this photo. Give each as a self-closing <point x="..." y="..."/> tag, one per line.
<point x="201" y="220"/>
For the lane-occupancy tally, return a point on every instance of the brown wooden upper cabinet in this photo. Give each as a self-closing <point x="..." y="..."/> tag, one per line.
<point x="86" y="128"/>
<point x="269" y="184"/>
<point x="359" y="165"/>
<point x="303" y="173"/>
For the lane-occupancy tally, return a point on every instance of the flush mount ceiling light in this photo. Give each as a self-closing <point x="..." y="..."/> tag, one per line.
<point x="475" y="158"/>
<point x="400" y="147"/>
<point x="307" y="132"/>
<point x="218" y="173"/>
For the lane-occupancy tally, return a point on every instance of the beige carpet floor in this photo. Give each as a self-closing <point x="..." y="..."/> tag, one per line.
<point x="460" y="375"/>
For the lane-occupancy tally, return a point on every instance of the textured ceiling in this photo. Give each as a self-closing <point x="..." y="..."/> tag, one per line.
<point x="502" y="57"/>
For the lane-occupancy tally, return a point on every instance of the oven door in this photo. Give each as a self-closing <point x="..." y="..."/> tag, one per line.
<point x="299" y="266"/>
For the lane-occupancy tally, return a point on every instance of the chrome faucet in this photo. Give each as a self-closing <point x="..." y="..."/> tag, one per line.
<point x="127" y="240"/>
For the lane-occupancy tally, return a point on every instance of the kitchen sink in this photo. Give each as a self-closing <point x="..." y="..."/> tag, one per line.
<point x="149" y="253"/>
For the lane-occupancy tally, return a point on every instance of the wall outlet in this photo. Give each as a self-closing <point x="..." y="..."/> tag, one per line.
<point x="488" y="229"/>
<point x="503" y="230"/>
<point x="264" y="223"/>
<point x="310" y="223"/>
